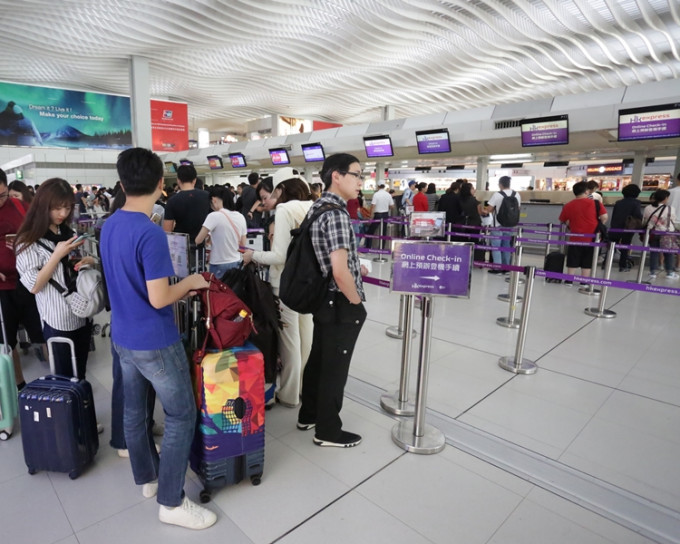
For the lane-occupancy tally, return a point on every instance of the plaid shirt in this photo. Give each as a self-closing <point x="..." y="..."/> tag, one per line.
<point x="333" y="231"/>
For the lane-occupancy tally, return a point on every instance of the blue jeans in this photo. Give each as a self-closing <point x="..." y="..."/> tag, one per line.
<point x="500" y="257"/>
<point x="220" y="269"/>
<point x="118" y="404"/>
<point x="167" y="371"/>
<point x="655" y="258"/>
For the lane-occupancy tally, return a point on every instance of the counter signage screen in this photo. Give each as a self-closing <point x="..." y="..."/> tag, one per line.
<point x="171" y="167"/>
<point x="238" y="160"/>
<point x="185" y="162"/>
<point x="433" y="141"/>
<point x="378" y="146"/>
<point x="279" y="156"/>
<point x="649" y="123"/>
<point x="545" y="131"/>
<point x="215" y="162"/>
<point x="313" y="152"/>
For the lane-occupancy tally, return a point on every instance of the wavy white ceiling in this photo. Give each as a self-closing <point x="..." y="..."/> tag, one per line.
<point x="341" y="61"/>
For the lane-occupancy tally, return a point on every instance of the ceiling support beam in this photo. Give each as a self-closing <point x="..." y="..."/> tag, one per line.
<point x="140" y="102"/>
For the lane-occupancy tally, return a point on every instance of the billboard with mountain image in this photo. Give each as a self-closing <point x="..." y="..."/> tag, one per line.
<point x="42" y="116"/>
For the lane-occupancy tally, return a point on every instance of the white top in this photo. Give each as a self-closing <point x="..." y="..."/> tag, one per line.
<point x="382" y="200"/>
<point x="674" y="199"/>
<point x="289" y="215"/>
<point x="225" y="235"/>
<point x="496" y="200"/>
<point x="52" y="306"/>
<point x="596" y="196"/>
<point x="662" y="220"/>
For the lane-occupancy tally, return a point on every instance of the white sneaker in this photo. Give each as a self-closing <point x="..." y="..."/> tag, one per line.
<point x="672" y="276"/>
<point x="126" y="454"/>
<point x="188" y="514"/>
<point x="150" y="489"/>
<point x="652" y="276"/>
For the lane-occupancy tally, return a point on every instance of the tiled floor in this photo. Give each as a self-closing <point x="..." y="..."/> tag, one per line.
<point x="604" y="405"/>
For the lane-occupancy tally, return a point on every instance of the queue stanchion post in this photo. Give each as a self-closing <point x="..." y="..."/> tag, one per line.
<point x="518" y="364"/>
<point x="514" y="275"/>
<point x="590" y="289"/>
<point x="643" y="258"/>
<point x="516" y="258"/>
<point x="549" y="239"/>
<point x="448" y="230"/>
<point x="380" y="258"/>
<point x="418" y="437"/>
<point x="511" y="322"/>
<point x="397" y="331"/>
<point x="397" y="403"/>
<point x="600" y="311"/>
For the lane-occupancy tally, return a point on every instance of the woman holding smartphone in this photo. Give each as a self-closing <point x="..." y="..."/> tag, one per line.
<point x="43" y="245"/>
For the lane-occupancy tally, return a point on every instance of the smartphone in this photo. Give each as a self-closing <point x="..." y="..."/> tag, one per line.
<point x="82" y="237"/>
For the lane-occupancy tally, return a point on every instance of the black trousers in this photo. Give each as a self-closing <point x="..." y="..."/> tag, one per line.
<point x="337" y="325"/>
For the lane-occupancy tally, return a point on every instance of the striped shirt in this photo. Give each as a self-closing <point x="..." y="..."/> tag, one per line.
<point x="333" y="231"/>
<point x="52" y="306"/>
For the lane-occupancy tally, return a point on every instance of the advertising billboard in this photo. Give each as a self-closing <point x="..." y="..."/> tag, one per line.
<point x="169" y="126"/>
<point x="42" y="116"/>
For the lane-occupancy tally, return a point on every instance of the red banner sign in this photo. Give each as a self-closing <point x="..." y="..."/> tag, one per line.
<point x="169" y="126"/>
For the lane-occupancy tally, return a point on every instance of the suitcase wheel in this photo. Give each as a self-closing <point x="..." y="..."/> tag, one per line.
<point x="4" y="435"/>
<point x="204" y="496"/>
<point x="96" y="329"/>
<point x="74" y="474"/>
<point x="32" y="471"/>
<point x="256" y="479"/>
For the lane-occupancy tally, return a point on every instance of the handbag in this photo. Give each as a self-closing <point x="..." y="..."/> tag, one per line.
<point x="633" y="223"/>
<point x="228" y="321"/>
<point x="601" y="228"/>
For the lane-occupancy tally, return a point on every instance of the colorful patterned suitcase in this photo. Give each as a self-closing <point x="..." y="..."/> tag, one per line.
<point x="58" y="421"/>
<point x="229" y="442"/>
<point x="8" y="387"/>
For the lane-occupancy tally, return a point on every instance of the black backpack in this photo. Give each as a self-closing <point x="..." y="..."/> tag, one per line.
<point x="508" y="213"/>
<point x="303" y="286"/>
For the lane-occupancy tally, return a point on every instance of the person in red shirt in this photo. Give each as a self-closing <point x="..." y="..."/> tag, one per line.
<point x="581" y="216"/>
<point x="18" y="304"/>
<point x="420" y="203"/>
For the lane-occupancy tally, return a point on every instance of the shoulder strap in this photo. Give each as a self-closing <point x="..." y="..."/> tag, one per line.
<point x="238" y="236"/>
<point x="52" y="281"/>
<point x="503" y="194"/>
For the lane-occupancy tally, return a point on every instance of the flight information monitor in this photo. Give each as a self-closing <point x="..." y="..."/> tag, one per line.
<point x="433" y="141"/>
<point x="649" y="123"/>
<point x="215" y="162"/>
<point x="378" y="146"/>
<point x="279" y="156"/>
<point x="313" y="153"/>
<point x="238" y="160"/>
<point x="545" y="131"/>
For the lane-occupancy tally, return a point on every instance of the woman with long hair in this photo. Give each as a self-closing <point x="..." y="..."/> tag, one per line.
<point x="18" y="189"/>
<point x="660" y="216"/>
<point x="293" y="200"/>
<point x="44" y="244"/>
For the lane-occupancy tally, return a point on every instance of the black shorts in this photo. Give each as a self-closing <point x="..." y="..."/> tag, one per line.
<point x="580" y="257"/>
<point x="19" y="308"/>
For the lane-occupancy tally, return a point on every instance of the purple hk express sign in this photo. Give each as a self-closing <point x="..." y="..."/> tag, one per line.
<point x="431" y="268"/>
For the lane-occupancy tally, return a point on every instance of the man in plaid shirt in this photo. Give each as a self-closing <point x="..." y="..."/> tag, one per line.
<point x="339" y="320"/>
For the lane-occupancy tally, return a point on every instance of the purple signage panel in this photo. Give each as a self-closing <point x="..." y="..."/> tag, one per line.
<point x="545" y="131"/>
<point x="433" y="141"/>
<point x="649" y="123"/>
<point x="431" y="268"/>
<point x="378" y="146"/>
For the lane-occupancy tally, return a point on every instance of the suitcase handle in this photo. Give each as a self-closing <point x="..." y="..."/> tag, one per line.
<point x="62" y="340"/>
<point x="5" y="349"/>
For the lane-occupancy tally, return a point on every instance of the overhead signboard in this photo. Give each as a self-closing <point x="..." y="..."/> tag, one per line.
<point x="431" y="268"/>
<point x="42" y="116"/>
<point x="545" y="131"/>
<point x="650" y="122"/>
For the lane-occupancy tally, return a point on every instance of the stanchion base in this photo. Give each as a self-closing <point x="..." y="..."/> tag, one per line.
<point x="586" y="291"/>
<point x="525" y="367"/>
<point x="379" y="260"/>
<point x="390" y="403"/>
<point x="433" y="441"/>
<point x="505" y="322"/>
<point x="506" y="298"/>
<point x="595" y="312"/>
<point x="395" y="332"/>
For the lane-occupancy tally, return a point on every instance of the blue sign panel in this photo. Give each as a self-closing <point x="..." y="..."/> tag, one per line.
<point x="431" y="268"/>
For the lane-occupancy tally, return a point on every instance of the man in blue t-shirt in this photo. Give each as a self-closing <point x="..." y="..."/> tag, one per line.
<point x="137" y="266"/>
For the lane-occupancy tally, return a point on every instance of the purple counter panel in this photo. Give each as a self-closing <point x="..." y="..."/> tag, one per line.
<point x="545" y="132"/>
<point x="649" y="123"/>
<point x="431" y="268"/>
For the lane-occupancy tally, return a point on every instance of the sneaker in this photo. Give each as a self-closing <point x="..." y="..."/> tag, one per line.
<point x="495" y="272"/>
<point x="126" y="454"/>
<point x="652" y="276"/>
<point x="346" y="440"/>
<point x="150" y="489"/>
<point x="188" y="514"/>
<point x="568" y="283"/>
<point x="305" y="426"/>
<point x="672" y="276"/>
<point x="100" y="428"/>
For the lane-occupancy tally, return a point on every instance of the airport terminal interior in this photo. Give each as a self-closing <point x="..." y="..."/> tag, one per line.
<point x="584" y="450"/>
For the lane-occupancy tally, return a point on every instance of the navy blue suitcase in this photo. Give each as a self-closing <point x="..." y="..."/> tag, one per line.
<point x="58" y="421"/>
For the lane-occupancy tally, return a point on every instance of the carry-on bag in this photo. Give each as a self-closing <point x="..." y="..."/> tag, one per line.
<point x="228" y="444"/>
<point x="8" y="387"/>
<point x="58" y="421"/>
<point x="554" y="262"/>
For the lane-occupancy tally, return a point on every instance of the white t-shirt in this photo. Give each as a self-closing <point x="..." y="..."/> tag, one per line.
<point x="382" y="200"/>
<point x="497" y="199"/>
<point x="225" y="238"/>
<point x="674" y="199"/>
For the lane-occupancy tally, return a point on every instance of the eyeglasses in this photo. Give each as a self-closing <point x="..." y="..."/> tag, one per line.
<point x="355" y="174"/>
<point x="4" y="195"/>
